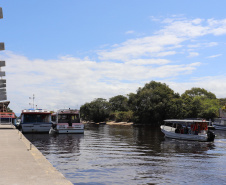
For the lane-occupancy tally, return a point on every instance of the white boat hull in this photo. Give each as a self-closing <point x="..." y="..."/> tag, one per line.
<point x="220" y="123"/>
<point x="63" y="128"/>
<point x="219" y="127"/>
<point x="170" y="133"/>
<point x="34" y="127"/>
<point x="72" y="131"/>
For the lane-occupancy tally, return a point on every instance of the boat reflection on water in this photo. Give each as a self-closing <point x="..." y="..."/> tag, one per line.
<point x="69" y="143"/>
<point x="56" y="144"/>
<point x="183" y="147"/>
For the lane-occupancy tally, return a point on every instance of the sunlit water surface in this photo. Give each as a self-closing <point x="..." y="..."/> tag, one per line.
<point x="109" y="154"/>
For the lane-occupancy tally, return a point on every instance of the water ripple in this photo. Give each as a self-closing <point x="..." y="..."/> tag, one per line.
<point x="133" y="155"/>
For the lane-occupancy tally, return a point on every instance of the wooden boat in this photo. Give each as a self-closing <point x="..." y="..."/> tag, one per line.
<point x="194" y="130"/>
<point x="66" y="121"/>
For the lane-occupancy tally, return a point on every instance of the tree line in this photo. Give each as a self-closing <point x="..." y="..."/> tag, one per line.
<point x="152" y="104"/>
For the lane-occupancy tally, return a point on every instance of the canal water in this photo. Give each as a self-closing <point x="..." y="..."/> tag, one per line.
<point x="117" y="154"/>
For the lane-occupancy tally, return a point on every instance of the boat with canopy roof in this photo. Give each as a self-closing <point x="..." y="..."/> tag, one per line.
<point x="194" y="130"/>
<point x="66" y="121"/>
<point x="35" y="120"/>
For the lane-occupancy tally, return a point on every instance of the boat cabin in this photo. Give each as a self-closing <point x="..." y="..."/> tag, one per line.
<point x="35" y="116"/>
<point x="35" y="120"/>
<point x="66" y="121"/>
<point x="188" y="126"/>
<point x="66" y="116"/>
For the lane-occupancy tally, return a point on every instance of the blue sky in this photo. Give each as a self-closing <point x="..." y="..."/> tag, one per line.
<point x="69" y="52"/>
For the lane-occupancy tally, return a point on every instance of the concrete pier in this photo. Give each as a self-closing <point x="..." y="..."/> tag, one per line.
<point x="22" y="163"/>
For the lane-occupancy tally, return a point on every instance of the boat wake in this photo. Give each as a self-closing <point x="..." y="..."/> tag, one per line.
<point x="220" y="141"/>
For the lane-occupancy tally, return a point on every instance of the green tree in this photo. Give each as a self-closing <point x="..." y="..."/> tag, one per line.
<point x="222" y="102"/>
<point x="199" y="103"/>
<point x="210" y="108"/>
<point x="125" y="116"/>
<point x="153" y="103"/>
<point x="85" y="112"/>
<point x="97" y="110"/>
<point x="9" y="110"/>
<point x="118" y="103"/>
<point x="196" y="91"/>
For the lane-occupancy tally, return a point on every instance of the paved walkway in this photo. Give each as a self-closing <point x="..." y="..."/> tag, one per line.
<point x="23" y="164"/>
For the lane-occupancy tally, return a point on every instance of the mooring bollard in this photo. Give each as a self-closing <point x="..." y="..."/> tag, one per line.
<point x="30" y="146"/>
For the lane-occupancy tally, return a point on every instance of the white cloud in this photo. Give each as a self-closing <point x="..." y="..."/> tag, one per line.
<point x="69" y="81"/>
<point x="148" y="61"/>
<point x="147" y="46"/>
<point x="214" y="56"/>
<point x="218" y="27"/>
<point x="130" y="32"/>
<point x="173" y="35"/>
<point x="201" y="45"/>
<point x="193" y="54"/>
<point x="214" y="84"/>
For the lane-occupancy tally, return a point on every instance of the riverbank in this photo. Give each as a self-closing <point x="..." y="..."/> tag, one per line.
<point x="118" y="123"/>
<point x="110" y="123"/>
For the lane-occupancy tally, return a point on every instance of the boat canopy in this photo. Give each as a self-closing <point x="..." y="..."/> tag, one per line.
<point x="36" y="111"/>
<point x="68" y="111"/>
<point x="186" y="121"/>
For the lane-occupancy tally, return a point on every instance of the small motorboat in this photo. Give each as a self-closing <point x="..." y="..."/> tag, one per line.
<point x="194" y="130"/>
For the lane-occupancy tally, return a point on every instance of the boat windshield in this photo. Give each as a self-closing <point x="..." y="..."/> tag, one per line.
<point x="65" y="118"/>
<point x="34" y="118"/>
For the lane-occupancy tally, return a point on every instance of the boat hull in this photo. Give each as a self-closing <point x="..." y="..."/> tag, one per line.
<point x="72" y="131"/>
<point x="220" y="123"/>
<point x="219" y="127"/>
<point x="34" y="127"/>
<point x="63" y="128"/>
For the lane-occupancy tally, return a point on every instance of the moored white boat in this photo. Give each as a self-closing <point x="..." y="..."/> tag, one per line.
<point x="35" y="120"/>
<point x="220" y="123"/>
<point x="66" y="121"/>
<point x="194" y="130"/>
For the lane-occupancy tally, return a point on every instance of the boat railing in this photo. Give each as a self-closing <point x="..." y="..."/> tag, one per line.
<point x="74" y="111"/>
<point x="67" y="120"/>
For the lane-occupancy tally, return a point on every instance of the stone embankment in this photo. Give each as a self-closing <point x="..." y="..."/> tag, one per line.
<point x="22" y="163"/>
